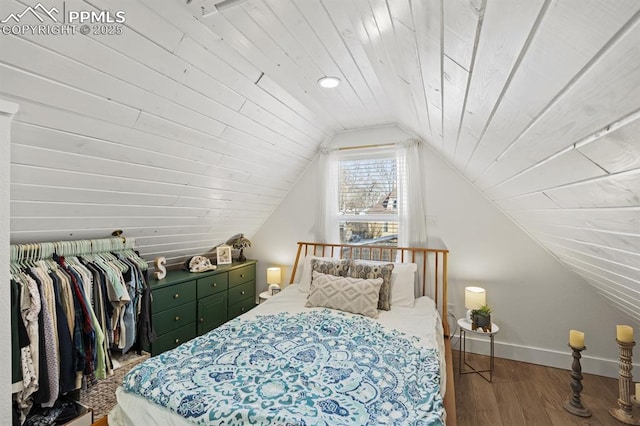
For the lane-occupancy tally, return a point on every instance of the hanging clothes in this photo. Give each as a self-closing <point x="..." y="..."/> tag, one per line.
<point x="67" y="314"/>
<point x="84" y="334"/>
<point x="65" y="343"/>
<point x="29" y="311"/>
<point x="47" y="392"/>
<point x="19" y="338"/>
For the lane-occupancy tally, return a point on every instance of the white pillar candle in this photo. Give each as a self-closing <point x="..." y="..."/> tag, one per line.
<point x="624" y="333"/>
<point x="576" y="339"/>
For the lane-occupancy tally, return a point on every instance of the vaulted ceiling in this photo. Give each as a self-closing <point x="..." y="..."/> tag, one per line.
<point x="196" y="121"/>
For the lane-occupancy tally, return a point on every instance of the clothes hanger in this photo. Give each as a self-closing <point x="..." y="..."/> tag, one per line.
<point x="121" y="247"/>
<point x="14" y="266"/>
<point x="130" y="253"/>
<point x="31" y="255"/>
<point x="105" y="247"/>
<point x="89" y="255"/>
<point x="47" y="255"/>
<point x="134" y="257"/>
<point x="21" y="256"/>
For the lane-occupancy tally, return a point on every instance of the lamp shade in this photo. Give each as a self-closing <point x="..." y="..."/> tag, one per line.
<point x="239" y="241"/>
<point x="273" y="275"/>
<point x="474" y="297"/>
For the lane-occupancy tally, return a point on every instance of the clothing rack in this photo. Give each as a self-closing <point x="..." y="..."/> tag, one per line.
<point x="72" y="303"/>
<point x="33" y="252"/>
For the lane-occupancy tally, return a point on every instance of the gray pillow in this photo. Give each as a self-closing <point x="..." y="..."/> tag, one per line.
<point x="337" y="267"/>
<point x="366" y="270"/>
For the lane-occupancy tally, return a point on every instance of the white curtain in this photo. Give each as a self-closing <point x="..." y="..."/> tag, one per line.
<point x="412" y="212"/>
<point x="327" y="226"/>
<point x="412" y="208"/>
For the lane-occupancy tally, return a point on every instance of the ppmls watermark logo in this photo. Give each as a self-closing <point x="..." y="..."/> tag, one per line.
<point x="41" y="20"/>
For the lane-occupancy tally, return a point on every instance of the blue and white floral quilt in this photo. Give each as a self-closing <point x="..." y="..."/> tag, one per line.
<point x="312" y="368"/>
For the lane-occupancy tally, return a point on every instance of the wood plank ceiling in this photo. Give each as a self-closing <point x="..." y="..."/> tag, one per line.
<point x="195" y="122"/>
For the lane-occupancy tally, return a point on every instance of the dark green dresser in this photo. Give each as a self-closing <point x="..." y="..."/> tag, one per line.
<point x="188" y="304"/>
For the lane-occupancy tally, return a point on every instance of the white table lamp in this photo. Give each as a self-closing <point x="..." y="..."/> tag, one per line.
<point x="274" y="276"/>
<point x="474" y="298"/>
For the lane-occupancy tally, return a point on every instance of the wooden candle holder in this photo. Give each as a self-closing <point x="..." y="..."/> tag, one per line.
<point x="575" y="405"/>
<point x="623" y="413"/>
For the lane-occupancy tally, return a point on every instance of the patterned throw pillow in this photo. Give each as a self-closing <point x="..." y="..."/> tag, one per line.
<point x="353" y="295"/>
<point x="366" y="270"/>
<point x="337" y="267"/>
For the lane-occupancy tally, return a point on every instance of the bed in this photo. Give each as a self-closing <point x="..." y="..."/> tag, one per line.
<point x="285" y="362"/>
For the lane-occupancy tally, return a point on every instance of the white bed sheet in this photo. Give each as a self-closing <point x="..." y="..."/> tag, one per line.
<point x="422" y="321"/>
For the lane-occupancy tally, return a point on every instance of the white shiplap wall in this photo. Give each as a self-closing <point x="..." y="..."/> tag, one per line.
<point x="195" y="122"/>
<point x="152" y="132"/>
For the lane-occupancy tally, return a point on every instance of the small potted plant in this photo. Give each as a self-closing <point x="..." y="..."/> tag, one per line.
<point x="481" y="318"/>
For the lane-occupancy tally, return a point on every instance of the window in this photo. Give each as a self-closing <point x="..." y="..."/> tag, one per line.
<point x="373" y="196"/>
<point x="367" y="198"/>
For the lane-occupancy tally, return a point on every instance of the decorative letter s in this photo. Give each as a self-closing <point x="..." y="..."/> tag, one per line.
<point x="161" y="271"/>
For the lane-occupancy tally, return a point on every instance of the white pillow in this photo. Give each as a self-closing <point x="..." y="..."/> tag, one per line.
<point x="355" y="295"/>
<point x="304" y="284"/>
<point x="403" y="283"/>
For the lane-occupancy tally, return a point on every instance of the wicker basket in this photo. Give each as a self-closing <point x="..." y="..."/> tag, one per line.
<point x="101" y="397"/>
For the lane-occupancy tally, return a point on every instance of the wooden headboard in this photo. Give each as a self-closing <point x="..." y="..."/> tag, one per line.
<point x="432" y="265"/>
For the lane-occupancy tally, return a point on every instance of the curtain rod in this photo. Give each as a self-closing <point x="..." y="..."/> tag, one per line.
<point x="346" y="148"/>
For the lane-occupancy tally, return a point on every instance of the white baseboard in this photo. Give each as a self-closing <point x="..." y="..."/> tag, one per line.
<point x="546" y="357"/>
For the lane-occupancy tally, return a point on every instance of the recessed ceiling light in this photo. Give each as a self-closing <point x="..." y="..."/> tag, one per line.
<point x="329" y="82"/>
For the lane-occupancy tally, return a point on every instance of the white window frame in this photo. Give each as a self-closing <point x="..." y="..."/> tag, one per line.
<point x="367" y="154"/>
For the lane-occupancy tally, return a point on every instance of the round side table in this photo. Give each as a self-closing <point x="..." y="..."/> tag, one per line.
<point x="465" y="327"/>
<point x="264" y="296"/>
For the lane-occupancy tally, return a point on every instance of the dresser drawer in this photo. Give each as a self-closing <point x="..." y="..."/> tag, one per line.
<point x="188" y="304"/>
<point x="212" y="285"/>
<point x="212" y="312"/>
<point x="172" y="296"/>
<point x="173" y="318"/>
<point x="242" y="275"/>
<point x="242" y="307"/>
<point x="173" y="339"/>
<point x="241" y="292"/>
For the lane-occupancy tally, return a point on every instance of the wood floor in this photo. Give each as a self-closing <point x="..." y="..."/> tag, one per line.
<point x="528" y="394"/>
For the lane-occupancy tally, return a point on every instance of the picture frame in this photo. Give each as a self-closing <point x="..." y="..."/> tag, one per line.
<point x="224" y="255"/>
<point x="275" y="291"/>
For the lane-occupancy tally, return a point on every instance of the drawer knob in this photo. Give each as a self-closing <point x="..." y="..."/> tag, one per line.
<point x="177" y="318"/>
<point x="241" y="275"/>
<point x="242" y="292"/>
<point x="201" y="319"/>
<point x="175" y="296"/>
<point x="243" y="309"/>
<point x="215" y="284"/>
<point x="177" y="340"/>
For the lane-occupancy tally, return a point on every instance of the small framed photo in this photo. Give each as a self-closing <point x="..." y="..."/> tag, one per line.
<point x="224" y="255"/>
<point x="275" y="291"/>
